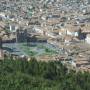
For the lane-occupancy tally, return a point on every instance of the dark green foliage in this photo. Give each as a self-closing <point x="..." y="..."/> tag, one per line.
<point x="34" y="75"/>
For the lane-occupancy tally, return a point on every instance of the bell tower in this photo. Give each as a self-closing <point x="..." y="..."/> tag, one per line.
<point x="1" y="50"/>
<point x="0" y="43"/>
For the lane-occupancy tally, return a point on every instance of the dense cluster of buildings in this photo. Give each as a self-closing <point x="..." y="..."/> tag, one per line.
<point x="64" y="23"/>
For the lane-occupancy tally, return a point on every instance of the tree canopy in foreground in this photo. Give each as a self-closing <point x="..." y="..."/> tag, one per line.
<point x="34" y="75"/>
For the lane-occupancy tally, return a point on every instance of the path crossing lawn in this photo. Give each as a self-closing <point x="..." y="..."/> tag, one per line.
<point x="37" y="49"/>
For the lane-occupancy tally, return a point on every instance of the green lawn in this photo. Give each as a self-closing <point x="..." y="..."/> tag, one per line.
<point x="32" y="50"/>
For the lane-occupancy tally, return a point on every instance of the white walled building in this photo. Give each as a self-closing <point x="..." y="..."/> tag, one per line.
<point x="72" y="31"/>
<point x="50" y="34"/>
<point x="38" y="30"/>
<point x="88" y="39"/>
<point x="2" y="15"/>
<point x="13" y="27"/>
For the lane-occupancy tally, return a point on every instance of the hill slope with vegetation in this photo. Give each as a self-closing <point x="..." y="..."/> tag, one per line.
<point x="34" y="75"/>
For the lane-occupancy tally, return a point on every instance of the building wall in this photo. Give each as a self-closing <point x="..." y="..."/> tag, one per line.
<point x="72" y="33"/>
<point x="13" y="28"/>
<point x="2" y="15"/>
<point x="39" y="30"/>
<point x="88" y="40"/>
<point x="50" y="34"/>
<point x="67" y="41"/>
<point x="60" y="33"/>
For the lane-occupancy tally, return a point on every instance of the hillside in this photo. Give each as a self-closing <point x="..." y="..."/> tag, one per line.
<point x="33" y="75"/>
